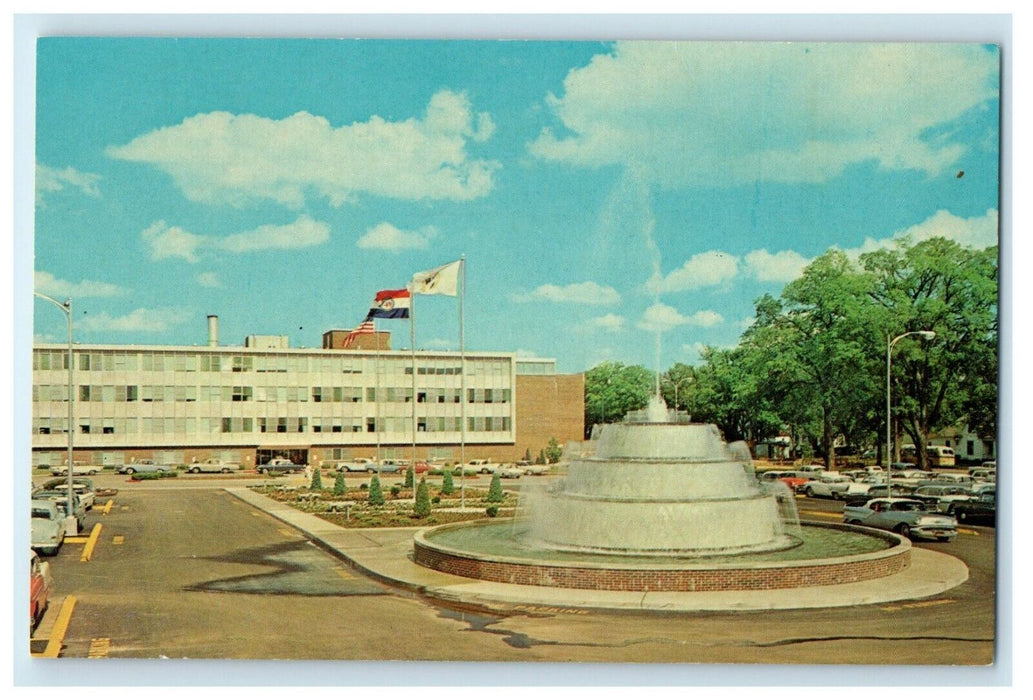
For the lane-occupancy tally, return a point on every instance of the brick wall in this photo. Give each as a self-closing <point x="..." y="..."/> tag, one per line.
<point x="548" y="406"/>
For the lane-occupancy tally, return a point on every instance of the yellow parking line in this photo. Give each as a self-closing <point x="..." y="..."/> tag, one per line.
<point x="286" y="533"/>
<point x="919" y="604"/>
<point x="118" y="539"/>
<point x="966" y="531"/>
<point x="821" y="514"/>
<point x="57" y="635"/>
<point x="107" y="507"/>
<point x="87" y="551"/>
<point x="99" y="648"/>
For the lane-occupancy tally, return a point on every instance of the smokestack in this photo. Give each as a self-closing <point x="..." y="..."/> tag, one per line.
<point x="213" y="331"/>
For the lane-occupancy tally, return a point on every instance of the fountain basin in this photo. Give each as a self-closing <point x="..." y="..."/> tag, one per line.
<point x="829" y="554"/>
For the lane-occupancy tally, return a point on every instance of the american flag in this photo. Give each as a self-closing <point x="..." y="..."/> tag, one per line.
<point x="363" y="328"/>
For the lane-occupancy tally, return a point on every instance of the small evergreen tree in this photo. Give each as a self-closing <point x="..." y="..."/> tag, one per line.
<point x="317" y="479"/>
<point x="527" y="455"/>
<point x="339" y="487"/>
<point x="376" y="496"/>
<point x="410" y="477"/>
<point x="447" y="485"/>
<point x="422" y="499"/>
<point x="553" y="452"/>
<point x="541" y="458"/>
<point x="495" y="494"/>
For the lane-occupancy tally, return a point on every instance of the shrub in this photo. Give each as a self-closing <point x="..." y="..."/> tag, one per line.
<point x="410" y="477"/>
<point x="553" y="452"/>
<point x="447" y="485"/>
<point x="422" y="499"/>
<point x="436" y="500"/>
<point x="540" y="459"/>
<point x="527" y="455"/>
<point x="339" y="487"/>
<point x="495" y="494"/>
<point x="492" y="511"/>
<point x="363" y="487"/>
<point x="395" y="490"/>
<point x="317" y="479"/>
<point x="376" y="496"/>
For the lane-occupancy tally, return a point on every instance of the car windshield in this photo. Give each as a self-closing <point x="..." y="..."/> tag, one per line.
<point x="45" y="513"/>
<point x="908" y="506"/>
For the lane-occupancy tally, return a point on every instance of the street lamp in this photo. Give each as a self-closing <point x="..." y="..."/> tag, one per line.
<point x="70" y="521"/>
<point x="676" y="385"/>
<point x="928" y="335"/>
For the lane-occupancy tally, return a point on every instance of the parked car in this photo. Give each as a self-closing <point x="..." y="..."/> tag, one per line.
<point x="532" y="469"/>
<point x="983" y="474"/>
<point x="471" y="469"/>
<point x="509" y="471"/>
<point x="947" y="478"/>
<point x="60" y="498"/>
<point x="877" y="489"/>
<point x="947" y="502"/>
<point x="213" y="465"/>
<point x="930" y="494"/>
<point x="827" y="485"/>
<point x="77" y="469"/>
<point x="484" y="466"/>
<point x="81" y="485"/>
<point x="982" y="509"/>
<point x="40" y="584"/>
<point x="905" y="516"/>
<point x="143" y="466"/>
<point x="393" y="466"/>
<point x="280" y="465"/>
<point x="359" y="464"/>
<point x="48" y="527"/>
<point x="789" y="478"/>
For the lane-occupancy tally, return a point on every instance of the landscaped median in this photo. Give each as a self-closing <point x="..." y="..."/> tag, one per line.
<point x="359" y="508"/>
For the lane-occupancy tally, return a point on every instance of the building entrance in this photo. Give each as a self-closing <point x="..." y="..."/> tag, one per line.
<point x="297" y="455"/>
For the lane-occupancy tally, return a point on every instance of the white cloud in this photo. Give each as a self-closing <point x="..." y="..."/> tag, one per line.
<point x="50" y="180"/>
<point x="138" y="320"/>
<point x="209" y="279"/>
<point x="385" y="236"/>
<point x="728" y="113"/>
<point x="661" y="317"/>
<point x="608" y="322"/>
<point x="166" y="241"/>
<point x="783" y="266"/>
<point x="701" y="270"/>
<point x="576" y="293"/>
<point x="61" y="289"/>
<point x="977" y="232"/>
<point x="238" y="158"/>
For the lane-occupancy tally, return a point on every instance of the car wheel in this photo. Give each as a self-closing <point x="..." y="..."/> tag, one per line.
<point x="853" y="522"/>
<point x="836" y="496"/>
<point x="904" y="529"/>
<point x="195" y="470"/>
<point x="130" y="470"/>
<point x="371" y="471"/>
<point x="960" y="515"/>
<point x="225" y="470"/>
<point x="809" y="493"/>
<point x="261" y="470"/>
<point x="92" y="472"/>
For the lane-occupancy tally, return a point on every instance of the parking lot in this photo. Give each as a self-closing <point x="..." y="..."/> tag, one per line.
<point x="181" y="569"/>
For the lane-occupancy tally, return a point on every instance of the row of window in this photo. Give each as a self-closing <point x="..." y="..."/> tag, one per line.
<point x="189" y="362"/>
<point x="108" y="393"/>
<point x="130" y="426"/>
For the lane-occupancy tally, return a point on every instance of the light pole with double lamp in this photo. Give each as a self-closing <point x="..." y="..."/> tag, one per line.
<point x="71" y="525"/>
<point x="928" y="335"/>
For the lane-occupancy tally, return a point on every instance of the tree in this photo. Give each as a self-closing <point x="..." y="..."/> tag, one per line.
<point x="940" y="286"/>
<point x="553" y="452"/>
<point x="376" y="495"/>
<point x="340" y="488"/>
<point x="317" y="480"/>
<point x="422" y="507"/>
<point x="410" y="477"/>
<point x="447" y="485"/>
<point x="676" y="383"/>
<point x="527" y="455"/>
<point x="495" y="494"/>
<point x="612" y="389"/>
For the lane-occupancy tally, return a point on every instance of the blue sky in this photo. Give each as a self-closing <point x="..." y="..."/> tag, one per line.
<point x="601" y="192"/>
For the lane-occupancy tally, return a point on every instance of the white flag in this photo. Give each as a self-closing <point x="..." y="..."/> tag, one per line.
<point x="440" y="280"/>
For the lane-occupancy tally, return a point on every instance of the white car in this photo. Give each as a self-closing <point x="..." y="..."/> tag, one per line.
<point x="48" y="529"/>
<point x="827" y="485"/>
<point x="509" y="471"/>
<point x="532" y="469"/>
<point x="83" y="488"/>
<point x="77" y="470"/>
<point x="143" y="466"/>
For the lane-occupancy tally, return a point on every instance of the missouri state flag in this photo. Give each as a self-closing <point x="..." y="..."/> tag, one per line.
<point x="390" y="303"/>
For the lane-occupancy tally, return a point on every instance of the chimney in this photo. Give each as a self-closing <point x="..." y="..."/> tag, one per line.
<point x="213" y="331"/>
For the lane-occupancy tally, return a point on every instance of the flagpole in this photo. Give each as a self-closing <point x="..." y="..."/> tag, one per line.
<point x="462" y="386"/>
<point x="376" y="394"/>
<point x="412" y="343"/>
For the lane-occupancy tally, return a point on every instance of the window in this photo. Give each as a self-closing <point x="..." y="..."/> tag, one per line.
<point x="242" y="393"/>
<point x="317" y="394"/>
<point x="243" y="363"/>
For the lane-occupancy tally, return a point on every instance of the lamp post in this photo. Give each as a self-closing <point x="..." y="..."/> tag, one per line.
<point x="890" y="342"/>
<point x="676" y="385"/>
<point x="70" y="521"/>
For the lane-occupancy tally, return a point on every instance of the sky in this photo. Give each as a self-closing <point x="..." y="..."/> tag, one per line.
<point x="608" y="197"/>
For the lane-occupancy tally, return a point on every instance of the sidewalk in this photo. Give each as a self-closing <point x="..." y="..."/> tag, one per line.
<point x="386" y="554"/>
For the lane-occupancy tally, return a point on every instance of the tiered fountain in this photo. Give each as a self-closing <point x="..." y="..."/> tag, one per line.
<point x="662" y="505"/>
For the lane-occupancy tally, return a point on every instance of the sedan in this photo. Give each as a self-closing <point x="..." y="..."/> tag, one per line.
<point x="39" y="588"/>
<point x="509" y="471"/>
<point x="48" y="528"/>
<point x="144" y="466"/>
<point x="904" y="516"/>
<point x="931" y="494"/>
<point x="77" y="470"/>
<point x="60" y="498"/>
<point x="81" y="485"/>
<point x="982" y="509"/>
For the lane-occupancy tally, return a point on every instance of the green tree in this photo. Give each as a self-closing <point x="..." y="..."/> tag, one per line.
<point x="612" y="389"/>
<point x="376" y="495"/>
<point x="495" y="494"/>
<point x="527" y="455"/>
<point x="422" y="507"/>
<point x="553" y="452"/>
<point x="676" y="383"/>
<point x="410" y="477"/>
<point x="340" y="489"/>
<point x="447" y="485"/>
<point x="317" y="479"/>
<point x="940" y="286"/>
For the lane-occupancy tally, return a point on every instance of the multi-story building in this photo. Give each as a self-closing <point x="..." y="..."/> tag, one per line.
<point x="248" y="404"/>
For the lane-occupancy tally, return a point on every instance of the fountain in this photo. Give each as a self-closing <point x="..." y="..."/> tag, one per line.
<point x="663" y="505"/>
